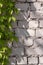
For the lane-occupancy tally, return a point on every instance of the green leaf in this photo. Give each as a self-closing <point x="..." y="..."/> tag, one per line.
<point x="0" y="55"/>
<point x="7" y="9"/>
<point x="1" y="4"/>
<point x="13" y="18"/>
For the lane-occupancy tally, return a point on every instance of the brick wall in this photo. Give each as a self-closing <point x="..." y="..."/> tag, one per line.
<point x="29" y="30"/>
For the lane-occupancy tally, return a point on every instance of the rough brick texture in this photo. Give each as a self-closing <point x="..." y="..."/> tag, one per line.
<point x="29" y="30"/>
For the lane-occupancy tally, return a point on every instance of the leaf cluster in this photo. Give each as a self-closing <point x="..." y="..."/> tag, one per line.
<point x="7" y="9"/>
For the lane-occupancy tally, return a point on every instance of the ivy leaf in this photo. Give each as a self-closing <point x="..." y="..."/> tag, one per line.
<point x="1" y="4"/>
<point x="16" y="10"/>
<point x="0" y="55"/>
<point x="13" y="18"/>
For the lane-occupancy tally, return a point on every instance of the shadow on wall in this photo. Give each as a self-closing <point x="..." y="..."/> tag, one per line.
<point x="28" y="11"/>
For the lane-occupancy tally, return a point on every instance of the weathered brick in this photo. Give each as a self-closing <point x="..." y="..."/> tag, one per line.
<point x="20" y="43"/>
<point x="21" y="32"/>
<point x="39" y="50"/>
<point x="31" y="0"/>
<point x="21" y="0"/>
<point x="32" y="47"/>
<point x="23" y="15"/>
<point x="12" y="60"/>
<point x="35" y="6"/>
<point x="22" y="6"/>
<point x="38" y="46"/>
<point x="33" y="60"/>
<point x="14" y="24"/>
<point x="39" y="32"/>
<point x="34" y="50"/>
<point x="41" y="23"/>
<point x="40" y="0"/>
<point x="33" y="24"/>
<point x="36" y="14"/>
<point x="41" y="60"/>
<point x="20" y="16"/>
<point x="28" y="42"/>
<point x="17" y="51"/>
<point x="40" y="64"/>
<point x="38" y="42"/>
<point x="23" y="42"/>
<point x="22" y="60"/>
<point x="30" y="51"/>
<point x="23" y="24"/>
<point x="31" y="32"/>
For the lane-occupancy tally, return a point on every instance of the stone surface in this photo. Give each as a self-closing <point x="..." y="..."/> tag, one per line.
<point x="17" y="51"/>
<point x="35" y="6"/>
<point x="39" y="32"/>
<point x="31" y="0"/>
<point x="41" y="23"/>
<point x="36" y="14"/>
<point x="22" y="32"/>
<point x="12" y="60"/>
<point x="23" y="15"/>
<point x="33" y="60"/>
<point x="22" y="6"/>
<point x="40" y="0"/>
<point x="38" y="42"/>
<point x="29" y="30"/>
<point x="21" y="0"/>
<point x="22" y="60"/>
<point x="41" y="60"/>
<point x="33" y="24"/>
<point x="23" y="24"/>
<point x="30" y="51"/>
<point x="28" y="42"/>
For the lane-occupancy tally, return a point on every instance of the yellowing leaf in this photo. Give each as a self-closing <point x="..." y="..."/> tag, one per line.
<point x="11" y="12"/>
<point x="0" y="55"/>
<point x="0" y="35"/>
<point x="1" y="4"/>
<point x="9" y="19"/>
<point x="13" y="18"/>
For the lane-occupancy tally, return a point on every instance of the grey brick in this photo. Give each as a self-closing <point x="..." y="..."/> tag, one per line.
<point x="12" y="60"/>
<point x="39" y="51"/>
<point x="33" y="24"/>
<point x="20" y="16"/>
<point x="36" y="14"/>
<point x="40" y="0"/>
<point x="33" y="60"/>
<point x="35" y="6"/>
<point x="21" y="32"/>
<point x="23" y="42"/>
<point x="40" y="64"/>
<point x="31" y="32"/>
<point x="41" y="23"/>
<point x="30" y="51"/>
<point x="21" y="0"/>
<point x="23" y="15"/>
<point x="28" y="42"/>
<point x="22" y="60"/>
<point x="23" y="24"/>
<point x="31" y="0"/>
<point x="38" y="43"/>
<point x="22" y="6"/>
<point x="41" y="60"/>
<point x="38" y="46"/>
<point x="39" y="32"/>
<point x="17" y="51"/>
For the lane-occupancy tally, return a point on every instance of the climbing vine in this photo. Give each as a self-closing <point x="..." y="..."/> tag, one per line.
<point x="7" y="9"/>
